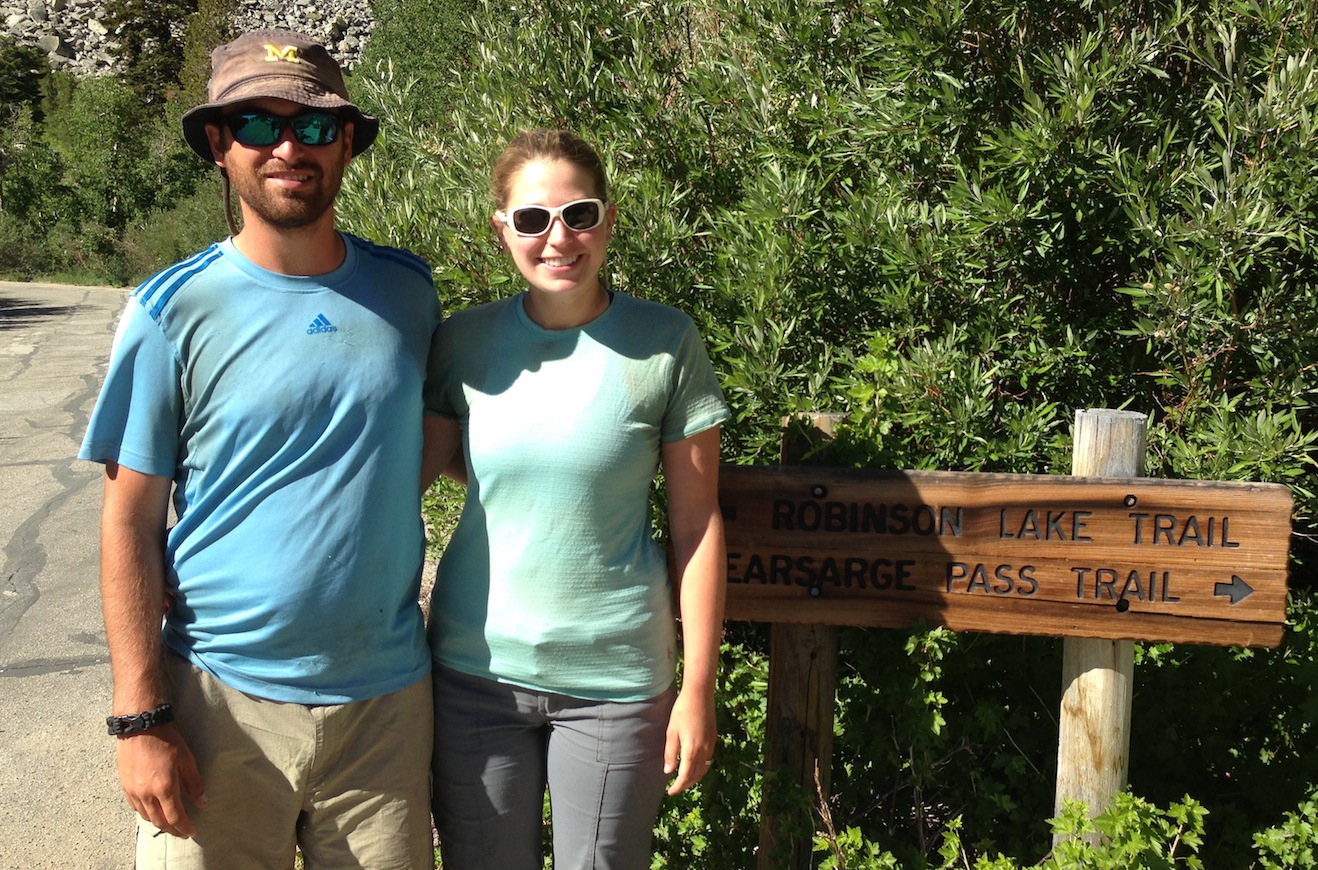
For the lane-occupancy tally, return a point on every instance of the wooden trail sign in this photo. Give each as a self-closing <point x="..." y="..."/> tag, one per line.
<point x="1115" y="558"/>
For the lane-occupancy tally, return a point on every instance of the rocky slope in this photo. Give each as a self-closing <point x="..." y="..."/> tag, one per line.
<point x="73" y="33"/>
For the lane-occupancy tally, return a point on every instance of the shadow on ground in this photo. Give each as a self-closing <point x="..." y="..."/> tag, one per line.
<point x="12" y="311"/>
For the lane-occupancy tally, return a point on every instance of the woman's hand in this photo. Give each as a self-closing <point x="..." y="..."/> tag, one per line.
<point x="692" y="736"/>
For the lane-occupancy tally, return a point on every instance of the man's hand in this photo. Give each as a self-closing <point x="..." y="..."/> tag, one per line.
<point x="157" y="772"/>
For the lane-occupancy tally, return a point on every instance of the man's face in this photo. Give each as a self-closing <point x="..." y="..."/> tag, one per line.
<point x="287" y="184"/>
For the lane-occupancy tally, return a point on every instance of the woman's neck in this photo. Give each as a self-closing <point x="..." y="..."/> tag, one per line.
<point x="565" y="310"/>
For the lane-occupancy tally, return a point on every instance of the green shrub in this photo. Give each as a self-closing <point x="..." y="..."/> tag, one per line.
<point x="1132" y="834"/>
<point x="167" y="236"/>
<point x="432" y="54"/>
<point x="1293" y="843"/>
<point x="957" y="223"/>
<point x="23" y="253"/>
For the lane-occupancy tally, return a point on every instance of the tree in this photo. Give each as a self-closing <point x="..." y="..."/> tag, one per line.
<point x="108" y="141"/>
<point x="209" y="26"/>
<point x="23" y="69"/>
<point x="32" y="188"/>
<point x="148" y="36"/>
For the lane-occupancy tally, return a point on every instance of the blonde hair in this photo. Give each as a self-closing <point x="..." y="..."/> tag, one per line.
<point x="541" y="144"/>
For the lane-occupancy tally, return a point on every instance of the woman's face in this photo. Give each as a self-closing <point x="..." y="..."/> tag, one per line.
<point x="562" y="261"/>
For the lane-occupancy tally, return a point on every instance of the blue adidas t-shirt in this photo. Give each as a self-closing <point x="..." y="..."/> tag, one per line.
<point x="287" y="410"/>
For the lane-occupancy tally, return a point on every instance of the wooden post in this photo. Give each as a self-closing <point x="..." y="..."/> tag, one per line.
<point x="1093" y="751"/>
<point x="802" y="689"/>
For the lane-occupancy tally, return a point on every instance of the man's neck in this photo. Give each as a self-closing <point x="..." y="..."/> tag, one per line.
<point x="316" y="249"/>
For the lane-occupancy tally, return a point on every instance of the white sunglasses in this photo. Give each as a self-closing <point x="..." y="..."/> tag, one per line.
<point x="535" y="220"/>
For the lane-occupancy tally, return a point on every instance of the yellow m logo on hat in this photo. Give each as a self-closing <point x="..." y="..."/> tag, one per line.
<point x="288" y="53"/>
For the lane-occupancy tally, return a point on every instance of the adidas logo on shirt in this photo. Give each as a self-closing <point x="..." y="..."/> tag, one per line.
<point x="321" y="324"/>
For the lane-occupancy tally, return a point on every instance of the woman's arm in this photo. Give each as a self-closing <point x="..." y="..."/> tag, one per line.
<point x="696" y="530"/>
<point x="441" y="450"/>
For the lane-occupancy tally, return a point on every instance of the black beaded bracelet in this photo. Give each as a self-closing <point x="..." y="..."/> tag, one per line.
<point x="124" y="726"/>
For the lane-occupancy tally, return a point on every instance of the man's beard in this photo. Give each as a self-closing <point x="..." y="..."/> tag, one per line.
<point x="285" y="210"/>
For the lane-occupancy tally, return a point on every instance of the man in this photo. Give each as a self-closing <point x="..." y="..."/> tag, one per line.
<point x="273" y="382"/>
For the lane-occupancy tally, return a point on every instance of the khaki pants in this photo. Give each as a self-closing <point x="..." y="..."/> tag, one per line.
<point x="349" y="783"/>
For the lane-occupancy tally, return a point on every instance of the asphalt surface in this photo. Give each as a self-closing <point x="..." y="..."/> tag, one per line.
<point x="60" y="804"/>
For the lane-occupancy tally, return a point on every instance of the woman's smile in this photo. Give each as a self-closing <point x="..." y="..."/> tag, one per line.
<point x="561" y="265"/>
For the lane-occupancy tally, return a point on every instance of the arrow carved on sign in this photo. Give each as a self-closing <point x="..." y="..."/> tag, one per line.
<point x="1238" y="589"/>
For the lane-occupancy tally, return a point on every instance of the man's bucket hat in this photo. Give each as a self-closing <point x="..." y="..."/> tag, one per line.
<point x="282" y="65"/>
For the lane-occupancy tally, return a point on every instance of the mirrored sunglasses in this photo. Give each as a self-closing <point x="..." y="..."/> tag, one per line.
<point x="260" y="129"/>
<point x="534" y="220"/>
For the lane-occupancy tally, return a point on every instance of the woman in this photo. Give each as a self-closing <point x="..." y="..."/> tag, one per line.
<point x="551" y="620"/>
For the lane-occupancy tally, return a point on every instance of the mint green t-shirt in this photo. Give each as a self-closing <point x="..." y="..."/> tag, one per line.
<point x="553" y="580"/>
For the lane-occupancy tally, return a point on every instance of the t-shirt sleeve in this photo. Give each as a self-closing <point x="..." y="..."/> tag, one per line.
<point x="439" y="387"/>
<point x="136" y="422"/>
<point x="431" y="387"/>
<point x="697" y="399"/>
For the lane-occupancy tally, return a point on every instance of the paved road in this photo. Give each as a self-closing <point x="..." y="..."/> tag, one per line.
<point x="60" y="805"/>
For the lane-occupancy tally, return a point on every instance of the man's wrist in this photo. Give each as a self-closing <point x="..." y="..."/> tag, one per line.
<point x="126" y="726"/>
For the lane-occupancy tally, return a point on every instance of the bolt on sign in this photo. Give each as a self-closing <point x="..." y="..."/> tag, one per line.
<point x="1137" y="559"/>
